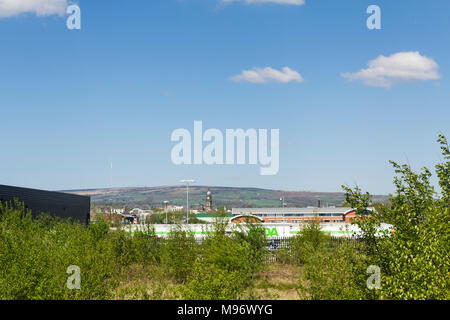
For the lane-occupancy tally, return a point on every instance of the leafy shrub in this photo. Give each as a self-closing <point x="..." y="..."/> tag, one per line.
<point x="414" y="259"/>
<point x="211" y="282"/>
<point x="147" y="247"/>
<point x="34" y="257"/>
<point x="99" y="229"/>
<point x="254" y="237"/>
<point x="309" y="240"/>
<point x="227" y="264"/>
<point x="336" y="273"/>
<point x="179" y="253"/>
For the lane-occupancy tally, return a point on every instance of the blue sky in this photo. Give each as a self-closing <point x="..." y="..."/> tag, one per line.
<point x="72" y="101"/>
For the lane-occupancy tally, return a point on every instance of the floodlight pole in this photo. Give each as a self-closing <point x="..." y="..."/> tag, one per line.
<point x="282" y="200"/>
<point x="187" y="198"/>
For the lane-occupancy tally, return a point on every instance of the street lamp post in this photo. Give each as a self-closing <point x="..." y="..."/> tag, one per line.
<point x="282" y="200"/>
<point x="187" y="197"/>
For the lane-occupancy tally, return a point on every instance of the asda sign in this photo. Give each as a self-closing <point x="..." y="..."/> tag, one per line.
<point x="271" y="232"/>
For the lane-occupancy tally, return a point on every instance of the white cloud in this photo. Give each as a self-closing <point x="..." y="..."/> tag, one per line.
<point x="397" y="68"/>
<point x="10" y="8"/>
<point x="290" y="2"/>
<point x="258" y="75"/>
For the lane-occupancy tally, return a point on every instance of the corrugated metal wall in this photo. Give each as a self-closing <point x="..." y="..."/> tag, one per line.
<point x="60" y="204"/>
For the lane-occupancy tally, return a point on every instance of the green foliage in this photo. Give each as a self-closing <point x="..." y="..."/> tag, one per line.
<point x="414" y="259"/>
<point x="179" y="253"/>
<point x="211" y="282"/>
<point x="334" y="269"/>
<point x="147" y="247"/>
<point x="308" y="241"/>
<point x="177" y="217"/>
<point x="34" y="257"/>
<point x="336" y="273"/>
<point x="227" y="265"/>
<point x="443" y="171"/>
<point x="254" y="237"/>
<point x="369" y="224"/>
<point x="221" y="211"/>
<point x="142" y="248"/>
<point x="99" y="229"/>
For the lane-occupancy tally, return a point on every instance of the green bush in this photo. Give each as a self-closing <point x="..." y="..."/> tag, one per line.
<point x="34" y="257"/>
<point x="176" y="217"/>
<point x="147" y="247"/>
<point x="254" y="238"/>
<point x="336" y="273"/>
<point x="211" y="282"/>
<point x="179" y="253"/>
<point x="308" y="241"/>
<point x="334" y="268"/>
<point x="227" y="264"/>
<point x="414" y="259"/>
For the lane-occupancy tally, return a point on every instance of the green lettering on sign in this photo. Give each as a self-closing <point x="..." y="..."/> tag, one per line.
<point x="272" y="232"/>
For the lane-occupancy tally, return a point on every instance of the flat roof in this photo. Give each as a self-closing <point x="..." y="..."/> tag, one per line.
<point x="212" y="215"/>
<point x="338" y="210"/>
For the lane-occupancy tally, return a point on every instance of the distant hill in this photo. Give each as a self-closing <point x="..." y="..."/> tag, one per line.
<point x="222" y="196"/>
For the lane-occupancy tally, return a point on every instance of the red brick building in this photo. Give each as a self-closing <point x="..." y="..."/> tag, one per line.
<point x="299" y="215"/>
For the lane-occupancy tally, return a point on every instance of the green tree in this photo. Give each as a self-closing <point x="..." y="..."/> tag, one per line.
<point x="414" y="258"/>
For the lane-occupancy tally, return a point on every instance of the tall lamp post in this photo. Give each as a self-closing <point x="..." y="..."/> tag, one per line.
<point x="187" y="197"/>
<point x="283" y="204"/>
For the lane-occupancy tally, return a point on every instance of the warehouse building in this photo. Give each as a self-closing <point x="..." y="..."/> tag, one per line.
<point x="298" y="215"/>
<point x="58" y="204"/>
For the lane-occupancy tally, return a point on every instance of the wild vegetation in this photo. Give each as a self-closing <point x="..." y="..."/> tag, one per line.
<point x="176" y="217"/>
<point x="413" y="259"/>
<point x="35" y="255"/>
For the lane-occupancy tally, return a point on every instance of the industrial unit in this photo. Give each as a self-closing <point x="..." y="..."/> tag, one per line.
<point x="298" y="215"/>
<point x="272" y="230"/>
<point x="63" y="205"/>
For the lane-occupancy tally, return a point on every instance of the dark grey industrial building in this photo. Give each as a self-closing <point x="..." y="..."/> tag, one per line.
<point x="59" y="204"/>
